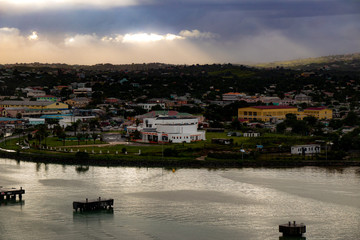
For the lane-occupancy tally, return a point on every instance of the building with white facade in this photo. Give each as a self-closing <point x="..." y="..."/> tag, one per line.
<point x="305" y="149"/>
<point x="149" y="106"/>
<point x="171" y="129"/>
<point x="232" y="96"/>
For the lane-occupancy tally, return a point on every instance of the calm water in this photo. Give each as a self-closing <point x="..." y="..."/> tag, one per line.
<point x="187" y="204"/>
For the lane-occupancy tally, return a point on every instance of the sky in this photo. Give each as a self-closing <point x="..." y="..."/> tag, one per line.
<point x="176" y="31"/>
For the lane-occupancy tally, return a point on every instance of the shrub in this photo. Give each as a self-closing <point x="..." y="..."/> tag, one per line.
<point x="82" y="155"/>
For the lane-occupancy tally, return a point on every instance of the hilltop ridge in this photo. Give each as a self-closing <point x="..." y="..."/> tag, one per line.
<point x="343" y="62"/>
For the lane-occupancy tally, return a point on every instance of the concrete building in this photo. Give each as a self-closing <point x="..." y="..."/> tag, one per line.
<point x="36" y="121"/>
<point x="319" y="112"/>
<point x="266" y="113"/>
<point x="33" y="104"/>
<point x="149" y="106"/>
<point x="170" y="129"/>
<point x="232" y="96"/>
<point x="79" y="102"/>
<point x="49" y="98"/>
<point x="306" y="149"/>
<point x="83" y="91"/>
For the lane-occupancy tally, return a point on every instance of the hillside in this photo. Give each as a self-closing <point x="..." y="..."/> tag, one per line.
<point x="345" y="62"/>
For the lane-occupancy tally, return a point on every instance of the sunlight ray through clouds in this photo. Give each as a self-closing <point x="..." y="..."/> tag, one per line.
<point x="33" y="36"/>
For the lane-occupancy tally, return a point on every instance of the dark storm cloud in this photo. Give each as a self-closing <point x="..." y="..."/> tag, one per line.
<point x="234" y="30"/>
<point x="226" y="16"/>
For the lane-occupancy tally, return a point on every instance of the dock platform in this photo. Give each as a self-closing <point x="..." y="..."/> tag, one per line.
<point x="292" y="229"/>
<point x="91" y="205"/>
<point x="11" y="193"/>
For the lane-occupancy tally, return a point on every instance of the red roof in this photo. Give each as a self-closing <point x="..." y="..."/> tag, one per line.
<point x="273" y="107"/>
<point x="316" y="108"/>
<point x="46" y="96"/>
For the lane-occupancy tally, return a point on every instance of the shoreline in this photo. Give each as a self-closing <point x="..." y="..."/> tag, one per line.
<point x="149" y="161"/>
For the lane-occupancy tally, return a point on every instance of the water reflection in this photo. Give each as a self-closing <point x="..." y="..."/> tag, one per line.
<point x="38" y="167"/>
<point x="11" y="202"/>
<point x="81" y="169"/>
<point x="335" y="170"/>
<point x="292" y="238"/>
<point x="93" y="216"/>
<point x="357" y="172"/>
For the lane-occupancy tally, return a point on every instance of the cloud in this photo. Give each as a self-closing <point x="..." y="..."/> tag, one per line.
<point x="197" y="34"/>
<point x="92" y="49"/>
<point x="53" y="4"/>
<point x="34" y="36"/>
<point x="145" y="37"/>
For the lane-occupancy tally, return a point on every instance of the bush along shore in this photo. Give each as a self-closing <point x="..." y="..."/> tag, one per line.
<point x="211" y="161"/>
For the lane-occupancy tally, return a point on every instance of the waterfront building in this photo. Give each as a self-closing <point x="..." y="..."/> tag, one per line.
<point x="305" y="149"/>
<point x="170" y="129"/>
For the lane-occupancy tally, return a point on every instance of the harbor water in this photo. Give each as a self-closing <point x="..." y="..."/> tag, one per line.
<point x="156" y="203"/>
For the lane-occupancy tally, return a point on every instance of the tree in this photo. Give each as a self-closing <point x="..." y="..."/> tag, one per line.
<point x="41" y="133"/>
<point x="75" y="126"/>
<point x="280" y="128"/>
<point x="62" y="135"/>
<point x="156" y="108"/>
<point x="94" y="123"/>
<point x="351" y="119"/>
<point x="310" y="120"/>
<point x="52" y="121"/>
<point x="94" y="136"/>
<point x="235" y="124"/>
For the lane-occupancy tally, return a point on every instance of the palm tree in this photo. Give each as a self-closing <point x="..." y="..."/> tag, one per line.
<point x="75" y="126"/>
<point x="94" y="136"/>
<point x="42" y="133"/>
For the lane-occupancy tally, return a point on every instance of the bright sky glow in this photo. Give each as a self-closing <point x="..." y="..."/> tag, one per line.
<point x="146" y="37"/>
<point x="33" y="36"/>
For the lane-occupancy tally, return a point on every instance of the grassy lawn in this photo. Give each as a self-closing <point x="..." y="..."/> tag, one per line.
<point x="55" y="142"/>
<point x="187" y="150"/>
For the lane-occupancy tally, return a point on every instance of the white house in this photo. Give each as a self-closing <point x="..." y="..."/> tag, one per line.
<point x="36" y="121"/>
<point x="305" y="149"/>
<point x="149" y="106"/>
<point x="251" y="134"/>
<point x="171" y="129"/>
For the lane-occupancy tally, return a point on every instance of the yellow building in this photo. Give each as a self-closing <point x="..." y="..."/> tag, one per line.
<point x="265" y="113"/>
<point x="318" y="112"/>
<point x="33" y="104"/>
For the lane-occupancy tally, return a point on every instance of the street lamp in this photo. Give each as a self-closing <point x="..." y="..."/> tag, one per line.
<point x="326" y="148"/>
<point x="242" y="153"/>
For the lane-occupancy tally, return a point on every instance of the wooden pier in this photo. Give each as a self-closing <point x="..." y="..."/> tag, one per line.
<point x="91" y="205"/>
<point x="292" y="229"/>
<point x="11" y="193"/>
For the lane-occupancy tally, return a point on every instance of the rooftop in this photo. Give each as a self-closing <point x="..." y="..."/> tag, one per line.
<point x="273" y="107"/>
<point x="316" y="108"/>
